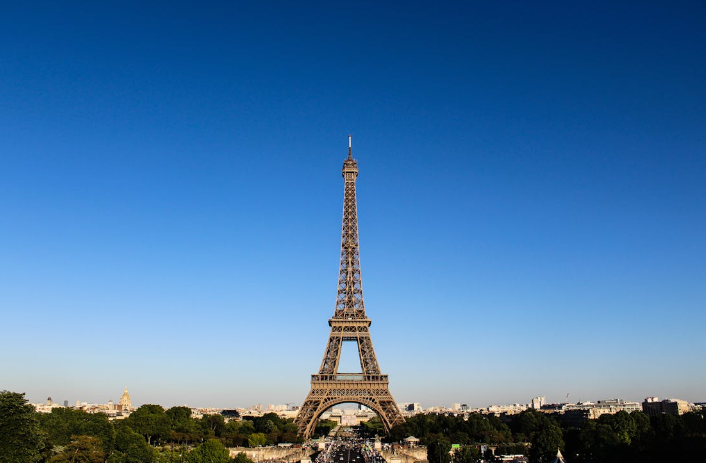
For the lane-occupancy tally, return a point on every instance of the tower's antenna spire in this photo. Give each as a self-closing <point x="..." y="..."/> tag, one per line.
<point x="350" y="153"/>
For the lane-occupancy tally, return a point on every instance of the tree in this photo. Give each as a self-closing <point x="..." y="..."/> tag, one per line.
<point x="324" y="427"/>
<point x="267" y="423"/>
<point x="242" y="458"/>
<point x="213" y="424"/>
<point x="151" y="421"/>
<point x="526" y="424"/>
<point x="171" y="454"/>
<point x="63" y="423"/>
<point x="81" y="449"/>
<point x="211" y="451"/>
<point x="511" y="449"/>
<point x="180" y="419"/>
<point x="20" y="435"/>
<point x="438" y="450"/>
<point x="246" y="427"/>
<point x="233" y="434"/>
<point x="289" y="432"/>
<point x="623" y="425"/>
<point x="546" y="442"/>
<point x="130" y="447"/>
<point x="467" y="454"/>
<point x="257" y="439"/>
<point x="370" y="427"/>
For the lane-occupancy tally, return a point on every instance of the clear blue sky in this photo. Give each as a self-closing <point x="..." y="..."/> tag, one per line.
<point x="532" y="197"/>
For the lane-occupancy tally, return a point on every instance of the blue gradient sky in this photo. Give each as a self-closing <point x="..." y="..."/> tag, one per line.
<point x="532" y="197"/>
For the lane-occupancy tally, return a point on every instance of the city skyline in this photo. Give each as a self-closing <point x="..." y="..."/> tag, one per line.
<point x="531" y="198"/>
<point x="278" y="407"/>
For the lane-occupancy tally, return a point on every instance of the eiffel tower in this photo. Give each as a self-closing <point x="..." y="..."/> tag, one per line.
<point x="349" y="323"/>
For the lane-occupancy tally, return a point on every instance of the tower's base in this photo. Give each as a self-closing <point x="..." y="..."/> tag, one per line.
<point x="328" y="390"/>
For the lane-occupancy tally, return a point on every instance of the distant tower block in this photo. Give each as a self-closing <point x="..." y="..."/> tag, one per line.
<point x="125" y="404"/>
<point x="349" y="323"/>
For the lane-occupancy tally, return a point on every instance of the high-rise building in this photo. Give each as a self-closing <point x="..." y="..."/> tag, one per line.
<point x="538" y="402"/>
<point x="412" y="407"/>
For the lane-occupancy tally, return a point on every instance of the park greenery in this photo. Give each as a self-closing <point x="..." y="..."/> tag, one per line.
<point x="623" y="437"/>
<point x="152" y="434"/>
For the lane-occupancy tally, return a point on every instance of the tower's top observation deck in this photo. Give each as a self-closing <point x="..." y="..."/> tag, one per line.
<point x="350" y="166"/>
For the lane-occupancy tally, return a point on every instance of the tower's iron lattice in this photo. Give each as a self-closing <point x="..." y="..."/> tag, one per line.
<point x="349" y="323"/>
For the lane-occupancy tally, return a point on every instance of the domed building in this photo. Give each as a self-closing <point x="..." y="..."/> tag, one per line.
<point x="125" y="405"/>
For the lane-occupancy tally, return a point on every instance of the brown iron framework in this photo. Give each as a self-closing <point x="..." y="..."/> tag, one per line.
<point x="349" y="323"/>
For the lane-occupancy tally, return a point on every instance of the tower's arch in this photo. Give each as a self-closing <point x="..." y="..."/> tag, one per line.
<point x="332" y="402"/>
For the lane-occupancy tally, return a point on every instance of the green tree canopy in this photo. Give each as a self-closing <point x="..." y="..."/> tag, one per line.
<point x="63" y="423"/>
<point x="20" y="435"/>
<point x="247" y="427"/>
<point x="324" y="427"/>
<point x="81" y="449"/>
<point x="130" y="447"/>
<point x="257" y="439"/>
<point x="267" y="423"/>
<point x="438" y="450"/>
<point x="180" y="419"/>
<point x="213" y="424"/>
<point x="242" y="458"/>
<point x="546" y="441"/>
<point x="211" y="451"/>
<point x="467" y="454"/>
<point x="151" y="421"/>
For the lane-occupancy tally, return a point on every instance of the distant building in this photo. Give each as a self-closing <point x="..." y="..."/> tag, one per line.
<point x="46" y="407"/>
<point x="412" y="407"/>
<point x="653" y="406"/>
<point x="125" y="404"/>
<point x="592" y="411"/>
<point x="538" y="402"/>
<point x="498" y="410"/>
<point x="613" y="406"/>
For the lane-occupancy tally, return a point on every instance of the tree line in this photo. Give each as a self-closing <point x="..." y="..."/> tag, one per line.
<point x="623" y="437"/>
<point x="150" y="434"/>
